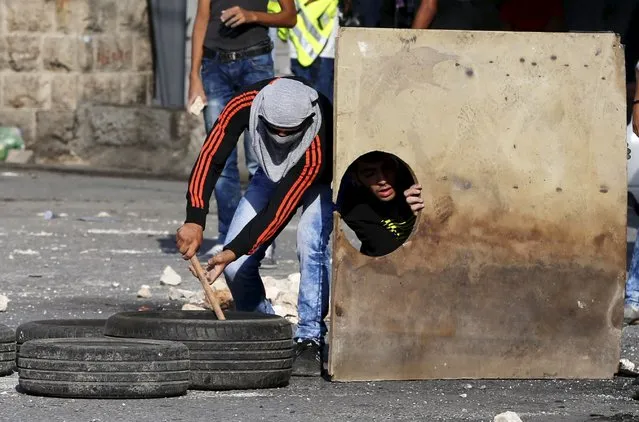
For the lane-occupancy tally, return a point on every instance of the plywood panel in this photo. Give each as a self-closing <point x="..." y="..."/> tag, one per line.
<point x="517" y="266"/>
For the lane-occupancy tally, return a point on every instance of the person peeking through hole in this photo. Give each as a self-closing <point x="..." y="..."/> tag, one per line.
<point x="379" y="200"/>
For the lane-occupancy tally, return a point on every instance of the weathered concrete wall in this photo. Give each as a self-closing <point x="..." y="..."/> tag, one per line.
<point x="56" y="55"/>
<point x="516" y="267"/>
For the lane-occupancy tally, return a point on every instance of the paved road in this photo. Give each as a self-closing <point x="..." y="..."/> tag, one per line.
<point x="67" y="267"/>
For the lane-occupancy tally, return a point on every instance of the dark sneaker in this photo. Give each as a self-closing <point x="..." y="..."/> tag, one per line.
<point x="308" y="359"/>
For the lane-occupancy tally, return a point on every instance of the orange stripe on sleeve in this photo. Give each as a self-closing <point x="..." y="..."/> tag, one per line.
<point x="211" y="145"/>
<point x="208" y="144"/>
<point x="216" y="145"/>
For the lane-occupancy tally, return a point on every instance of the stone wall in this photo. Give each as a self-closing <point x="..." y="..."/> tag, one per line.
<point x="58" y="57"/>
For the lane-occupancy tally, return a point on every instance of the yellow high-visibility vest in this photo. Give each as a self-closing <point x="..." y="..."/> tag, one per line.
<point x="274" y="7"/>
<point x="315" y="24"/>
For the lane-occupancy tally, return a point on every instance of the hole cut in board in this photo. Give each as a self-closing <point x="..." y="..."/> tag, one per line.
<point x="374" y="211"/>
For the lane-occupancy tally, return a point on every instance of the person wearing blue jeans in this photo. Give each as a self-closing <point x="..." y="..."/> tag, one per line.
<point x="231" y="49"/>
<point x="215" y="78"/>
<point x="631" y="308"/>
<point x="291" y="127"/>
<point x="314" y="229"/>
<point x="320" y="73"/>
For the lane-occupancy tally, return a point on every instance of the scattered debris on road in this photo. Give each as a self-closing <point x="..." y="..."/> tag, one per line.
<point x="170" y="277"/>
<point x="4" y="302"/>
<point x="25" y="252"/>
<point x="507" y="417"/>
<point x="627" y="369"/>
<point x="177" y="294"/>
<point x="145" y="291"/>
<point x="192" y="307"/>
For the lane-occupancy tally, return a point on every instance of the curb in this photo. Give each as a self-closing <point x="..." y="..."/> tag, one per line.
<point x="92" y="171"/>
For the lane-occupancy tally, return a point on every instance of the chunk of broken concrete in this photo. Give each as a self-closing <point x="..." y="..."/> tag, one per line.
<point x="287" y="298"/>
<point x="4" y="302"/>
<point x="627" y="368"/>
<point x="507" y="417"/>
<point x="170" y="277"/>
<point x="192" y="307"/>
<point x="177" y="294"/>
<point x="145" y="291"/>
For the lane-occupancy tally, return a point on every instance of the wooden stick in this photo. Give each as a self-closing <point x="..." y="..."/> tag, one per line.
<point x="208" y="290"/>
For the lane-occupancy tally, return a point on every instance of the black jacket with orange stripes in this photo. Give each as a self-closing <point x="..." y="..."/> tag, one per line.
<point x="315" y="166"/>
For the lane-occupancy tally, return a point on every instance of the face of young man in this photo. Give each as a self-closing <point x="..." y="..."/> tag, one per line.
<point x="379" y="177"/>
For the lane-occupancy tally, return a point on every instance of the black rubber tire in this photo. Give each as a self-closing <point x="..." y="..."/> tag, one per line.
<point x="248" y="350"/>
<point x="7" y="350"/>
<point x="239" y="380"/>
<point x="8" y="347"/>
<point x="103" y="368"/>
<point x="7" y="356"/>
<point x="7" y="367"/>
<point x="240" y="365"/>
<point x="59" y="328"/>
<point x="199" y="325"/>
<point x="239" y="346"/>
<point x="250" y="355"/>
<point x="7" y="335"/>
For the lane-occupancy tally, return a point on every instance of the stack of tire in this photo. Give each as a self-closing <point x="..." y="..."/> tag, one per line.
<point x="246" y="351"/>
<point x="103" y="368"/>
<point x="58" y="328"/>
<point x="7" y="350"/>
<point x="149" y="354"/>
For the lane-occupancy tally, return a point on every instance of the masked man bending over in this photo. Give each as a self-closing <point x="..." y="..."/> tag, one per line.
<point x="291" y="128"/>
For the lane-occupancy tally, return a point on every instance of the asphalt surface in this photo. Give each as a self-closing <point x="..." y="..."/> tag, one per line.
<point x="77" y="265"/>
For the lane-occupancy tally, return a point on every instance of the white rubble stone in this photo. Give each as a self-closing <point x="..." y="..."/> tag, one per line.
<point x="198" y="297"/>
<point x="272" y="292"/>
<point x="220" y="284"/>
<point x="4" y="302"/>
<point x="294" y="278"/>
<point x="285" y="311"/>
<point x="627" y="365"/>
<point x="269" y="281"/>
<point x="507" y="417"/>
<point x="177" y="294"/>
<point x="145" y="291"/>
<point x="192" y="307"/>
<point x="287" y="299"/>
<point x="170" y="277"/>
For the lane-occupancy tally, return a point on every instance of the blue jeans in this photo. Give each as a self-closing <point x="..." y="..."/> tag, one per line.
<point x="632" y="284"/>
<point x="221" y="82"/>
<point x="319" y="74"/>
<point x="313" y="232"/>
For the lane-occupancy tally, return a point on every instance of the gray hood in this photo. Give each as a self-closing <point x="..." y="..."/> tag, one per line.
<point x="284" y="103"/>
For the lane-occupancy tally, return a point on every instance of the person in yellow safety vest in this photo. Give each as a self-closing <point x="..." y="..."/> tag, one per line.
<point x="312" y="42"/>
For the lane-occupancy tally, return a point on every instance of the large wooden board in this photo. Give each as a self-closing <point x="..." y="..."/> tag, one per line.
<point x="517" y="266"/>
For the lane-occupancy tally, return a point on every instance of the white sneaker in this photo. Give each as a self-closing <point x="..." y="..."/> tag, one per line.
<point x="215" y="250"/>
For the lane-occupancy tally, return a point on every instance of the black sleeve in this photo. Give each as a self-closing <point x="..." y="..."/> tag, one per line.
<point x="217" y="147"/>
<point x="283" y="203"/>
<point x="367" y="225"/>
